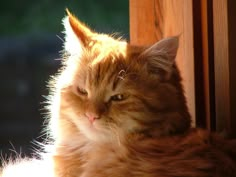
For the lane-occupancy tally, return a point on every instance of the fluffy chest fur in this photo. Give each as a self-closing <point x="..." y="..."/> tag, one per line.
<point x="196" y="153"/>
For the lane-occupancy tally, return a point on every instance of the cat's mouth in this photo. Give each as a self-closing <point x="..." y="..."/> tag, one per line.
<point x="95" y="130"/>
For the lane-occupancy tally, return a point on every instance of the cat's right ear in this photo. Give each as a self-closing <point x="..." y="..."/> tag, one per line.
<point x="77" y="34"/>
<point x="160" y="57"/>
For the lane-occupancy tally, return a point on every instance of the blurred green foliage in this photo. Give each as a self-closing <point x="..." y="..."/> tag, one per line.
<point x="45" y="16"/>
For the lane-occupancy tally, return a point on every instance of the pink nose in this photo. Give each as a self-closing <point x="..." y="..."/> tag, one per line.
<point x="91" y="116"/>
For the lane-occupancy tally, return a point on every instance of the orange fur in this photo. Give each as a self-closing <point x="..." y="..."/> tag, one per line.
<point x="119" y="110"/>
<point x="147" y="133"/>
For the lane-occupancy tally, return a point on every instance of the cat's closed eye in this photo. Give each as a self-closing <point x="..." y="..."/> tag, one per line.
<point x="81" y="91"/>
<point x="118" y="97"/>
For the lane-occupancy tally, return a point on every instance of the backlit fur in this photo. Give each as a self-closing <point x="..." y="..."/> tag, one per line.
<point x="119" y="110"/>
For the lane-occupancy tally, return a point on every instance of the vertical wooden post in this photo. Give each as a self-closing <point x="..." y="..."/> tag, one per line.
<point x="143" y="25"/>
<point x="232" y="65"/>
<point x="224" y="12"/>
<point x="204" y="64"/>
<point x="155" y="19"/>
<point x="221" y="45"/>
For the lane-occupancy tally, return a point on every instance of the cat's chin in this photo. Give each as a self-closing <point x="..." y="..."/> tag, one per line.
<point x="95" y="132"/>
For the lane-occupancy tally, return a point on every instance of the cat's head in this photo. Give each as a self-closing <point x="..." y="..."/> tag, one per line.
<point x="110" y="89"/>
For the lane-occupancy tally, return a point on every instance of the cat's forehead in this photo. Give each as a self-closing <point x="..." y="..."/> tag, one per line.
<point x="108" y="48"/>
<point x="106" y="52"/>
<point x="107" y="64"/>
<point x="106" y="70"/>
<point x="113" y="51"/>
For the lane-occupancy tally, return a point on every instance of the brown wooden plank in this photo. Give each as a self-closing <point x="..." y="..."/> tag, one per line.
<point x="221" y="53"/>
<point x="204" y="64"/>
<point x="154" y="19"/>
<point x="232" y="64"/>
<point x="201" y="58"/>
<point x="208" y="63"/>
<point x="142" y="22"/>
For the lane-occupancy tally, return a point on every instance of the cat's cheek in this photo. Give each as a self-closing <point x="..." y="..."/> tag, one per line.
<point x="129" y="125"/>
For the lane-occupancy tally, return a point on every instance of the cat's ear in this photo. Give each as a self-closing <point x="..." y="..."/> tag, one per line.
<point x="77" y="34"/>
<point x="161" y="56"/>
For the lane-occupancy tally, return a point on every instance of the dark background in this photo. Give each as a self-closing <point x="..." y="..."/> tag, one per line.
<point x="30" y="41"/>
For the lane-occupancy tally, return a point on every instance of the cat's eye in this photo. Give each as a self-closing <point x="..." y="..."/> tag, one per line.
<point x="81" y="91"/>
<point x="118" y="97"/>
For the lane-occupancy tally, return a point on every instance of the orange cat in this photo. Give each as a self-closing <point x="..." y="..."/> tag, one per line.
<point x="119" y="111"/>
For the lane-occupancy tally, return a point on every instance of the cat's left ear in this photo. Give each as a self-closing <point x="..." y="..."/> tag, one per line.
<point x="161" y="56"/>
<point x="77" y="34"/>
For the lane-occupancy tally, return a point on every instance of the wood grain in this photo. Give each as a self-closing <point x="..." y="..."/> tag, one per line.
<point x="232" y="64"/>
<point x="142" y="22"/>
<point x="204" y="64"/>
<point x="221" y="53"/>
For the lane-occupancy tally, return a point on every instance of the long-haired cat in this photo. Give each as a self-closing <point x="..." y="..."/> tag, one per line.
<point x="119" y="110"/>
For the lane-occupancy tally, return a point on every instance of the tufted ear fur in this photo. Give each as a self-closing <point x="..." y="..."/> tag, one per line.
<point x="77" y="34"/>
<point x="161" y="56"/>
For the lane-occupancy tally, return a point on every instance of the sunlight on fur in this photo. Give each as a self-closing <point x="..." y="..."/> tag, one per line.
<point x="28" y="167"/>
<point x="119" y="110"/>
